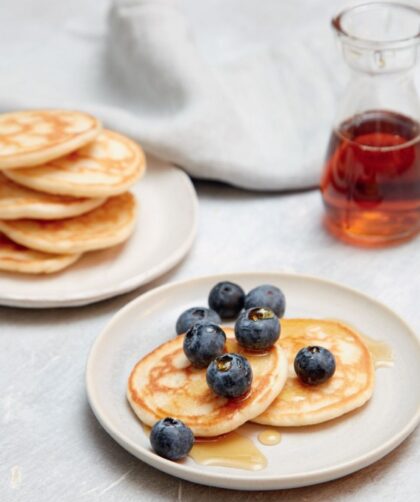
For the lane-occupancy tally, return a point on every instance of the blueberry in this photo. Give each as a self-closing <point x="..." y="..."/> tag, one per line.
<point x="203" y="342"/>
<point x="229" y="375"/>
<point x="193" y="315"/>
<point x="314" y="365"/>
<point x="227" y="299"/>
<point x="257" y="328"/>
<point x="172" y="439"/>
<point x="266" y="296"/>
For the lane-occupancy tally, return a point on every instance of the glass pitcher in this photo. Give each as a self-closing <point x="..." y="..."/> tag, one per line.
<point x="371" y="180"/>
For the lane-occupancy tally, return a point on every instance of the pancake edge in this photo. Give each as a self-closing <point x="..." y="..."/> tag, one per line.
<point x="149" y="418"/>
<point x="42" y="211"/>
<point x="47" y="266"/>
<point x="73" y="190"/>
<point x="323" y="415"/>
<point x="62" y="247"/>
<point x="41" y="156"/>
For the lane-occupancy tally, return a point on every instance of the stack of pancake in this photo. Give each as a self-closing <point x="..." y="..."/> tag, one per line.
<point x="63" y="188"/>
<point x="164" y="384"/>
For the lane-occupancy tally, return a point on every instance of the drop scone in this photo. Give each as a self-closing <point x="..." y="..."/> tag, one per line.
<point x="16" y="258"/>
<point x="349" y="388"/>
<point x="31" y="138"/>
<point x="18" y="202"/>
<point x="164" y="384"/>
<point x="107" y="166"/>
<point x="106" y="226"/>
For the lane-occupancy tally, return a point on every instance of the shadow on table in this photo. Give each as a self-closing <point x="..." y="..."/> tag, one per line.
<point x="217" y="189"/>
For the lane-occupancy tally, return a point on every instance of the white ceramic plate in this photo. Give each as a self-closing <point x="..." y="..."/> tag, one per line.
<point x="164" y="233"/>
<point x="306" y="455"/>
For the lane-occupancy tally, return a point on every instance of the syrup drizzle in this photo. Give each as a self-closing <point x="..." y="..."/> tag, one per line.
<point x="269" y="437"/>
<point x="381" y="352"/>
<point x="231" y="450"/>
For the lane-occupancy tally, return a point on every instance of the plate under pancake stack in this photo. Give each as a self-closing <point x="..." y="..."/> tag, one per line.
<point x="63" y="188"/>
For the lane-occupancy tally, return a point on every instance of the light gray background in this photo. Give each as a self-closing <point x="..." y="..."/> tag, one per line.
<point x="52" y="447"/>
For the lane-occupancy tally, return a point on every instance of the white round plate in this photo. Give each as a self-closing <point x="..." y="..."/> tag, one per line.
<point x="164" y="232"/>
<point x="306" y="455"/>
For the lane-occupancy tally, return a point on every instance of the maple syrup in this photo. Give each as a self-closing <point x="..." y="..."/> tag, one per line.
<point x="230" y="450"/>
<point x="371" y="181"/>
<point x="269" y="437"/>
<point x="381" y="352"/>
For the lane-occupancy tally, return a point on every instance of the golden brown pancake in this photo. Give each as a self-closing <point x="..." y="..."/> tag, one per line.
<point x="105" y="167"/>
<point x="16" y="258"/>
<point x="33" y="137"/>
<point x="349" y="388"/>
<point x="18" y="202"/>
<point x="165" y="384"/>
<point x="108" y="225"/>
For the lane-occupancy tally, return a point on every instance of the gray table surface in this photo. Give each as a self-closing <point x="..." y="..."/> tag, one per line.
<point x="52" y="447"/>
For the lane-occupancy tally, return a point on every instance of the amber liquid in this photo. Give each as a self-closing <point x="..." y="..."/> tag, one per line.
<point x="231" y="450"/>
<point x="269" y="437"/>
<point x="371" y="182"/>
<point x="380" y="351"/>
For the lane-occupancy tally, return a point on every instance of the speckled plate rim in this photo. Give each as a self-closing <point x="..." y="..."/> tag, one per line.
<point x="232" y="481"/>
<point x="76" y="299"/>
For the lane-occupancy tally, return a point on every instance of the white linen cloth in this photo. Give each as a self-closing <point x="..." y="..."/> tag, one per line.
<point x="241" y="91"/>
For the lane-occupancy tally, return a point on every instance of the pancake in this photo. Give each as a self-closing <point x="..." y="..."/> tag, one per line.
<point x="107" y="166"/>
<point x="33" y="137"/>
<point x="105" y="226"/>
<point x="164" y="384"/>
<point x="16" y="258"/>
<point x="349" y="388"/>
<point x="19" y="202"/>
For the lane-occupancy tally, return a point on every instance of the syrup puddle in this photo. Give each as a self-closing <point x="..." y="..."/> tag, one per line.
<point x="232" y="450"/>
<point x="269" y="437"/>
<point x="381" y="352"/>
